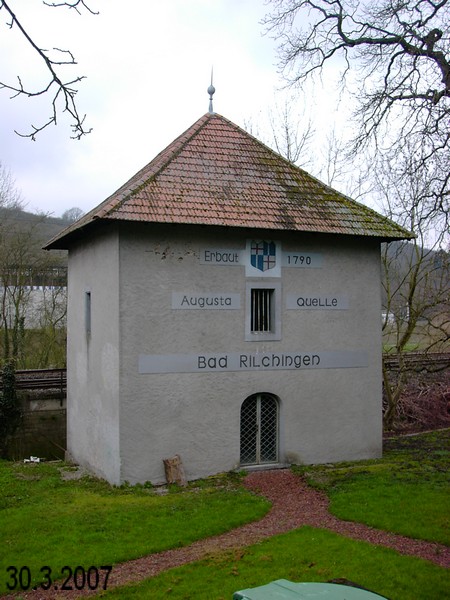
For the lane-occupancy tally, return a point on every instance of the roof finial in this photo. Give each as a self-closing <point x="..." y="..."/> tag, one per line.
<point x="211" y="90"/>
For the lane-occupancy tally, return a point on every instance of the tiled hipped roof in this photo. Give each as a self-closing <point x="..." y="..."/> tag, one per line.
<point x="217" y="174"/>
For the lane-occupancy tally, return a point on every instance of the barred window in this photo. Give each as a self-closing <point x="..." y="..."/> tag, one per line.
<point x="261" y="310"/>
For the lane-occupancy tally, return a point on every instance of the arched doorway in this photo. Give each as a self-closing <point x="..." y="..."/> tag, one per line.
<point x="259" y="430"/>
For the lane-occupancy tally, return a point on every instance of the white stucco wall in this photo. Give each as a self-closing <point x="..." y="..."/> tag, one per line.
<point x="93" y="357"/>
<point x="325" y="414"/>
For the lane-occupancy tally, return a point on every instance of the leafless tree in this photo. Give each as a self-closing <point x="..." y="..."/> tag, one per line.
<point x="352" y="178"/>
<point x="286" y="130"/>
<point x="292" y="133"/>
<point x="10" y="196"/>
<point x="72" y="214"/>
<point x="416" y="277"/>
<point x="395" y="58"/>
<point x="62" y="92"/>
<point x="32" y="288"/>
<point x="52" y="312"/>
<point x="18" y="258"/>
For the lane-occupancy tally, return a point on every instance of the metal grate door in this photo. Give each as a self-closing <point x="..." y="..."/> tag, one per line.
<point x="259" y="430"/>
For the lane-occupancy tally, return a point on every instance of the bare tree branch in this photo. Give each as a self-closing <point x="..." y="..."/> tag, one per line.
<point x="10" y="196"/>
<point x="291" y="136"/>
<point x="63" y="92"/>
<point x="416" y="274"/>
<point x="396" y="64"/>
<point x="74" y="5"/>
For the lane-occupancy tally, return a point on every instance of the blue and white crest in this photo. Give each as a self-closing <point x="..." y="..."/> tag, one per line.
<point x="263" y="255"/>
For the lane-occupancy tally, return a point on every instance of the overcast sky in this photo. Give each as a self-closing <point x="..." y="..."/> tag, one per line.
<point x="148" y="66"/>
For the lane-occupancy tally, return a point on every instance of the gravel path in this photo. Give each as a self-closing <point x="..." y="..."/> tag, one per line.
<point x="294" y="504"/>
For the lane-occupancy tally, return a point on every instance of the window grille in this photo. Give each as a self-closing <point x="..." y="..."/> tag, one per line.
<point x="259" y="430"/>
<point x="261" y="310"/>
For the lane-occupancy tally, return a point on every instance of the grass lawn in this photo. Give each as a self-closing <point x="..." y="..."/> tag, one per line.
<point x="406" y="492"/>
<point x="303" y="555"/>
<point x="423" y="338"/>
<point x="45" y="521"/>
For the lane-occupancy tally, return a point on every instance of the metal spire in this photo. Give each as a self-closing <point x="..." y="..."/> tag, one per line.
<point x="211" y="90"/>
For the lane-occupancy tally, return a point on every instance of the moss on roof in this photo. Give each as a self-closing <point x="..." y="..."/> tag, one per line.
<point x="217" y="174"/>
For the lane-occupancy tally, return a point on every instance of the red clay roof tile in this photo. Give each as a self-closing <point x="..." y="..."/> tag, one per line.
<point x="215" y="173"/>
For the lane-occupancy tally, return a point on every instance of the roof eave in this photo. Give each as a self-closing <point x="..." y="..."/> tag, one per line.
<point x="68" y="236"/>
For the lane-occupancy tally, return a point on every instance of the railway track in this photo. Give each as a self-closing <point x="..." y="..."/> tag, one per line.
<point x="419" y="361"/>
<point x="56" y="379"/>
<point x="41" y="379"/>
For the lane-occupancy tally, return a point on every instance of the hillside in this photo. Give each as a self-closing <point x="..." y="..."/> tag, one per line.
<point x="33" y="229"/>
<point x="44" y="226"/>
<point x="41" y="228"/>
